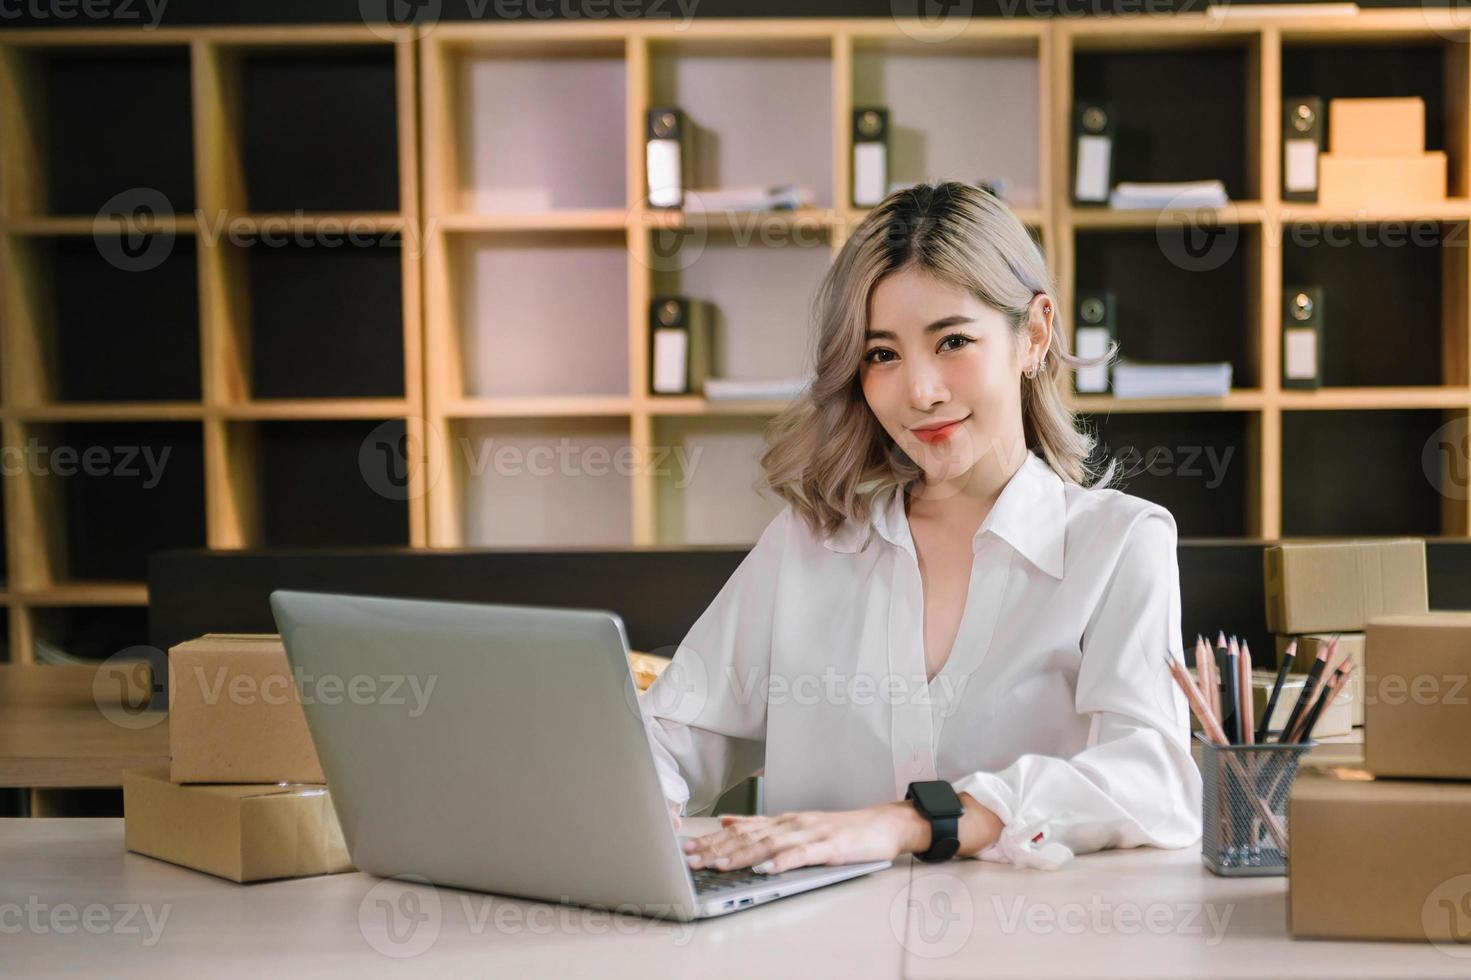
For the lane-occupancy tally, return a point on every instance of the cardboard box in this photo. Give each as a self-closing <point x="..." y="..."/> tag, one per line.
<point x="1381" y="127"/>
<point x="1377" y="858"/>
<point x="243" y="833"/>
<point x="1417" y="699"/>
<point x="1350" y="645"/>
<point x="1338" y="586"/>
<point x="1351" y="182"/>
<point x="235" y="715"/>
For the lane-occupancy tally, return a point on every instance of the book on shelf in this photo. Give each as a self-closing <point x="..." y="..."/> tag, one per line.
<point x="731" y="389"/>
<point x="781" y="197"/>
<point x="1136" y="195"/>
<point x="1140" y="379"/>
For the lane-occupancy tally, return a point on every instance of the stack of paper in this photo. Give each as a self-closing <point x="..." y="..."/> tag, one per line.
<point x="729" y="389"/>
<point x="1135" y="379"/>
<point x="1182" y="194"/>
<point x="783" y="197"/>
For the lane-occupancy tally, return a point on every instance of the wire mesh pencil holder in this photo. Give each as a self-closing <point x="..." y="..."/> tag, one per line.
<point x="1244" y="810"/>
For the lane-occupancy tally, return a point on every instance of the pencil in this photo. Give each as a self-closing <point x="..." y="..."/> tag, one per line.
<point x="1230" y="697"/>
<point x="1305" y="696"/>
<point x="1243" y="683"/>
<point x="1196" y="700"/>
<point x="1204" y="666"/>
<point x="1325" y="698"/>
<point x="1288" y="656"/>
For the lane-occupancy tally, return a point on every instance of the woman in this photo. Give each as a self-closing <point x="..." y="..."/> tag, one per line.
<point x="942" y="598"/>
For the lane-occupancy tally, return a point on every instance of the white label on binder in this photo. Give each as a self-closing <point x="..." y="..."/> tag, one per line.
<point x="1302" y="353"/>
<point x="1092" y="176"/>
<point x="1302" y="166"/>
<point x="1091" y="342"/>
<point x="663" y="158"/>
<point x="869" y="179"/>
<point x="671" y="358"/>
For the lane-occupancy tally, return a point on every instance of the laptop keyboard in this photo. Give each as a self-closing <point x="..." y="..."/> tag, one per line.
<point x="708" y="880"/>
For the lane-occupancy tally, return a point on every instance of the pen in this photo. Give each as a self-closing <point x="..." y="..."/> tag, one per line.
<point x="1288" y="656"/>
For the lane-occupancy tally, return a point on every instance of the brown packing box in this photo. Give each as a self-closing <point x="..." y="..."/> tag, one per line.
<point x="244" y="833"/>
<point x="1356" y="181"/>
<point x="235" y="715"/>
<point x="1350" y="645"/>
<point x="1417" y="699"/>
<point x="1322" y="586"/>
<point x="1377" y="858"/>
<point x="1379" y="127"/>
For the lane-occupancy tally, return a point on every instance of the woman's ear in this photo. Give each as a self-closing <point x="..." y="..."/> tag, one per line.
<point x="1039" y="325"/>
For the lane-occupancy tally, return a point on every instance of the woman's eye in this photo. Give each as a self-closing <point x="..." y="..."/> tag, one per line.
<point x="879" y="355"/>
<point x="955" y="341"/>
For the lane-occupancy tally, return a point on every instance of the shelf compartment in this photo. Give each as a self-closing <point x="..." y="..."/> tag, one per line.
<point x="1365" y="472"/>
<point x="318" y="127"/>
<point x="88" y="632"/>
<point x="1428" y="67"/>
<point x="1393" y="296"/>
<point x="94" y="498"/>
<point x="90" y="123"/>
<point x="552" y="481"/>
<point x="946" y="106"/>
<point x="539" y="314"/>
<point x="1177" y="306"/>
<point x="538" y="129"/>
<point x="1181" y="112"/>
<point x="89" y="324"/>
<point x="707" y="494"/>
<point x="326" y="316"/>
<point x="780" y="128"/>
<point x="760" y="286"/>
<point x="334" y="483"/>
<point x="1199" y="467"/>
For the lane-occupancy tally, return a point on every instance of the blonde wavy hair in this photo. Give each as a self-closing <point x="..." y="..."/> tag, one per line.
<point x="827" y="455"/>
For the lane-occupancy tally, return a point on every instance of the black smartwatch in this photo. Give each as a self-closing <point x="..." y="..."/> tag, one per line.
<point x="937" y="802"/>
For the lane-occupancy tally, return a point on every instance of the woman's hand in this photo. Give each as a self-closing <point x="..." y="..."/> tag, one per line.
<point x="792" y="840"/>
<point x="674" y="809"/>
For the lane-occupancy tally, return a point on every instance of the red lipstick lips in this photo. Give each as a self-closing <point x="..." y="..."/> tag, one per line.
<point x="938" y="433"/>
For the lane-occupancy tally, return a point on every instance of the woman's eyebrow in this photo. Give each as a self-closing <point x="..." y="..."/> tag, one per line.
<point x="940" y="324"/>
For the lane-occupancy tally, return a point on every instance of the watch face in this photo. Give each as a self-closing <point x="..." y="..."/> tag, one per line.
<point x="936" y="798"/>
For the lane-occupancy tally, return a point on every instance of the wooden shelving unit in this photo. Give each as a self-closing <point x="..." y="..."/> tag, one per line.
<point x="529" y="225"/>
<point x="495" y="324"/>
<point x="208" y="251"/>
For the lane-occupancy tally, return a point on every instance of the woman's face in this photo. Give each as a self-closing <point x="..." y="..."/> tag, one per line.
<point x="942" y="374"/>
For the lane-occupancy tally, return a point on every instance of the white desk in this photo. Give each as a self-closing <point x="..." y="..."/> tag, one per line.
<point x="1116" y="914"/>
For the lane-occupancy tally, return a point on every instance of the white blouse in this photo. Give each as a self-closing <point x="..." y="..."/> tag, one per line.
<point x="1055" y="709"/>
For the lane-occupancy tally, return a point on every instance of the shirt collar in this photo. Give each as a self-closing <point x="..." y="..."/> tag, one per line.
<point x="1030" y="515"/>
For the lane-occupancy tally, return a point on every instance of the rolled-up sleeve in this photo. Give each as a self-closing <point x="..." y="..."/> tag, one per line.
<point x="706" y="713"/>
<point x="1135" y="782"/>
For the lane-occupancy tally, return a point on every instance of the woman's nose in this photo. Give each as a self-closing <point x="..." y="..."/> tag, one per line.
<point x="926" y="387"/>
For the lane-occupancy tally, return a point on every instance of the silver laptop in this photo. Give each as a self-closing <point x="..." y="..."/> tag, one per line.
<point x="501" y="749"/>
